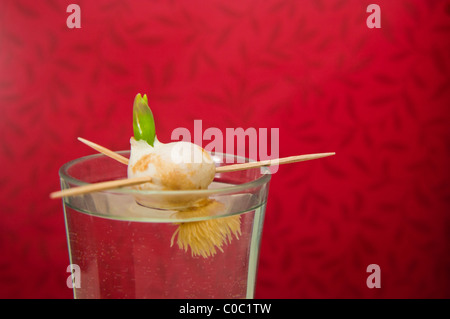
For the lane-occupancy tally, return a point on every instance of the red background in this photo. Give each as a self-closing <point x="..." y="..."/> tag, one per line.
<point x="379" y="98"/>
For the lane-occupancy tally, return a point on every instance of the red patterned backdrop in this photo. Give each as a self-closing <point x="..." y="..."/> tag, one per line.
<point x="379" y="98"/>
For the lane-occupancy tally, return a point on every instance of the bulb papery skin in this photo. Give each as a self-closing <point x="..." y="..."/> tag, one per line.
<point x="172" y="166"/>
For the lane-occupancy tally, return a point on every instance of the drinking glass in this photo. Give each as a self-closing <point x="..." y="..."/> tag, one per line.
<point x="125" y="241"/>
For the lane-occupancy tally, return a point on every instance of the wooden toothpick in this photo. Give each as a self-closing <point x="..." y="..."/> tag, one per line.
<point x="278" y="161"/>
<point x="221" y="169"/>
<point x="105" y="151"/>
<point x="96" y="187"/>
<point x="140" y="180"/>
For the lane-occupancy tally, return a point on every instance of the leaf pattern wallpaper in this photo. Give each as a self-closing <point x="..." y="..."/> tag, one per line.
<point x="378" y="97"/>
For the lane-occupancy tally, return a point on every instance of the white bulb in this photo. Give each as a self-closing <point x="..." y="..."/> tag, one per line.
<point x="172" y="166"/>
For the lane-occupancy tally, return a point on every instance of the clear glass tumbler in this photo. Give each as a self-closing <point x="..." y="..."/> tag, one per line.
<point x="133" y="244"/>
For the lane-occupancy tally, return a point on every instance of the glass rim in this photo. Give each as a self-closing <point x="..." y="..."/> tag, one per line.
<point x="263" y="179"/>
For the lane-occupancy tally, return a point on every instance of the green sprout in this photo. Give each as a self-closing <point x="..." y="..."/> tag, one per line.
<point x="143" y="122"/>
